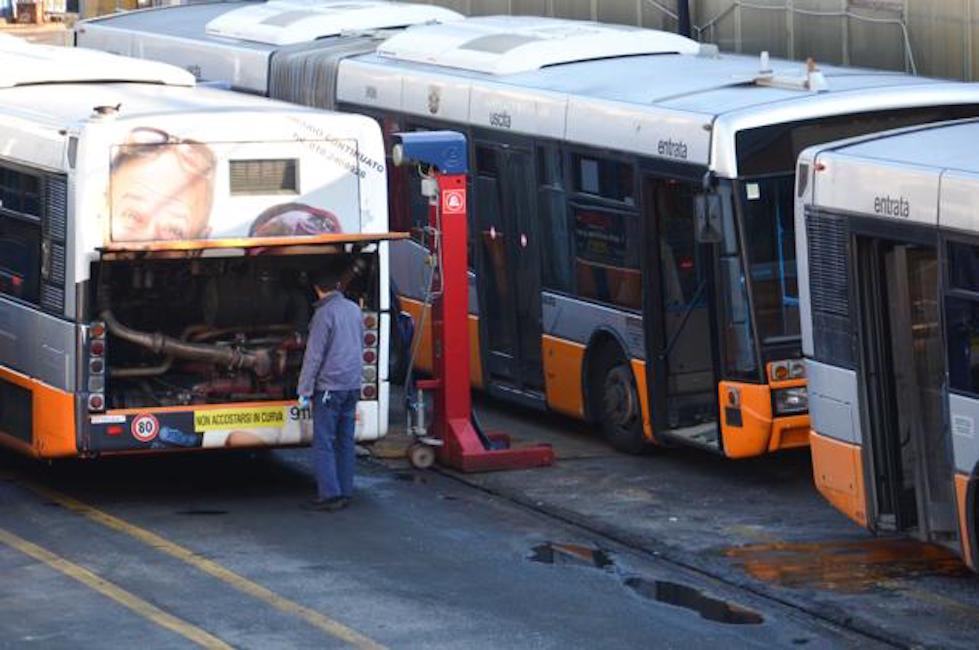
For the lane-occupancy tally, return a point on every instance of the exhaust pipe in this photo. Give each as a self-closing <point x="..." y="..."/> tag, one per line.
<point x="259" y="362"/>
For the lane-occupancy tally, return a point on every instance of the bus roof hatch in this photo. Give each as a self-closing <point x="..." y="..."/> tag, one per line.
<point x="511" y="44"/>
<point x="284" y="22"/>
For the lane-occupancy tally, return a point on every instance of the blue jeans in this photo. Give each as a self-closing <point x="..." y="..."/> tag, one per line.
<point x="334" y="453"/>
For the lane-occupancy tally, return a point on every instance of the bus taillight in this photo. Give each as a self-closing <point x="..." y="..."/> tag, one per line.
<point x="96" y="367"/>
<point x="368" y="387"/>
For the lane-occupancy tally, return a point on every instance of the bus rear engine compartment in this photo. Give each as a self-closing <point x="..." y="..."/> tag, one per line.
<point x="212" y="330"/>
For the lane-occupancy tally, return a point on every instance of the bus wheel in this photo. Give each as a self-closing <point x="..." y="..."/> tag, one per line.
<point x="621" y="413"/>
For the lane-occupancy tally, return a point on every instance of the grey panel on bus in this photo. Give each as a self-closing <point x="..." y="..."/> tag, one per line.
<point x="37" y="345"/>
<point x="307" y="73"/>
<point x="410" y="272"/>
<point x="959" y="209"/>
<point x="576" y="320"/>
<point x="833" y="405"/>
<point x="963" y="416"/>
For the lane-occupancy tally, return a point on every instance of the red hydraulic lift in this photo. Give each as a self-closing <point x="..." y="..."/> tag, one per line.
<point x="456" y="437"/>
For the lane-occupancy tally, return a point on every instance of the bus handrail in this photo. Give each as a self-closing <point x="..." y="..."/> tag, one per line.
<point x="686" y="316"/>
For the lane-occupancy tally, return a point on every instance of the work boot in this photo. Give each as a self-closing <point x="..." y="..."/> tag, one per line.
<point x="324" y="503"/>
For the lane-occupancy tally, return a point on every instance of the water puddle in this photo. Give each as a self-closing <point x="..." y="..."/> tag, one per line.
<point x="847" y="566"/>
<point x="680" y="595"/>
<point x="205" y="512"/>
<point x="554" y="553"/>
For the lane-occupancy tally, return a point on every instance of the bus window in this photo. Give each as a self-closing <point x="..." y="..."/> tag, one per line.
<point x="20" y="192"/>
<point x="493" y="251"/>
<point x="606" y="244"/>
<point x="962" y="318"/>
<point x="740" y="360"/>
<point x="551" y="204"/>
<point x="608" y="179"/>
<point x="770" y="236"/>
<point x="20" y="258"/>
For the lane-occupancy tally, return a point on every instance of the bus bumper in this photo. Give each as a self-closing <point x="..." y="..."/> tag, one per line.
<point x="255" y="424"/>
<point x="749" y="425"/>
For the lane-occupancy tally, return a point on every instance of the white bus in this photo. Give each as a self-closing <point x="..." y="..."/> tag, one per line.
<point x="888" y="253"/>
<point x="242" y="42"/>
<point x="157" y="243"/>
<point x="600" y="289"/>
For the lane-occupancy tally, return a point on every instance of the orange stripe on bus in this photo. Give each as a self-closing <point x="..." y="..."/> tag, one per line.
<point x="965" y="533"/>
<point x="475" y="361"/>
<point x="639" y="370"/>
<point x="838" y="473"/>
<point x="562" y="375"/>
<point x="423" y="357"/>
<point x="53" y="415"/>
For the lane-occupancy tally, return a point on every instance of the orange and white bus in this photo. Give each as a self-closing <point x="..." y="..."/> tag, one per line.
<point x="631" y="205"/>
<point x="156" y="245"/>
<point x="889" y="280"/>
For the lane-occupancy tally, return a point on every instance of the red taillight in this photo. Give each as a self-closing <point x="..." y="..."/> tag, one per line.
<point x="370" y="322"/>
<point x="96" y="348"/>
<point x="96" y="366"/>
<point x="114" y="430"/>
<point x="370" y="339"/>
<point x="95" y="402"/>
<point x="369" y="391"/>
<point x="97" y="331"/>
<point x="370" y="356"/>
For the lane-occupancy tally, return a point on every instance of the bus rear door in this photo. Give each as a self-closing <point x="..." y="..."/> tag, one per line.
<point x="507" y="253"/>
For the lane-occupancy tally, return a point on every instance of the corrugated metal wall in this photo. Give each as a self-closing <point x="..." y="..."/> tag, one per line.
<point x="943" y="34"/>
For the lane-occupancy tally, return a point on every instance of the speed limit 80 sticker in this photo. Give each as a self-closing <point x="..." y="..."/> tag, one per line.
<point x="145" y="426"/>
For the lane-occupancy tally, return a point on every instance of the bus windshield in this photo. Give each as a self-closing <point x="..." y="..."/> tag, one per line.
<point x="767" y="206"/>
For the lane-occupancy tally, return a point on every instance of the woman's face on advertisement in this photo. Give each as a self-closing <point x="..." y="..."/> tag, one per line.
<point x="155" y="198"/>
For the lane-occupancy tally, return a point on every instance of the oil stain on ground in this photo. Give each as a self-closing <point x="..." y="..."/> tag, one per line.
<point x="845" y="566"/>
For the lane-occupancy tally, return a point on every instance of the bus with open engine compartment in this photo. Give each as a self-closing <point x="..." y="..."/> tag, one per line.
<point x="631" y="207"/>
<point x="157" y="243"/>
<point x="888" y="252"/>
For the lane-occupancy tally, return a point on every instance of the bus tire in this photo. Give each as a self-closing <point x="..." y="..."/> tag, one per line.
<point x="620" y="412"/>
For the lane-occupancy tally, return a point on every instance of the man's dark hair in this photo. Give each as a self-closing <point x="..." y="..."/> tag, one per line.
<point x="324" y="280"/>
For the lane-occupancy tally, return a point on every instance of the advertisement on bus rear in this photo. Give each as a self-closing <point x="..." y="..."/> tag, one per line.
<point x="266" y="425"/>
<point x="164" y="187"/>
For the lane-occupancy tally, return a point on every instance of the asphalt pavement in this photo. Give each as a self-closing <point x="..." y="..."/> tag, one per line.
<point x="215" y="550"/>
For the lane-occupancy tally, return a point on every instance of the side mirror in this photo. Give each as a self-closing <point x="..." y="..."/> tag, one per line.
<point x="708" y="211"/>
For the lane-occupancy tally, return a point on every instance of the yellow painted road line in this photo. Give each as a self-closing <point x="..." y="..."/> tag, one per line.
<point x="109" y="590"/>
<point x="244" y="585"/>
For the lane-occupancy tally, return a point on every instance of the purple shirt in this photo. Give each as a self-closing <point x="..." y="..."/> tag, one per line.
<point x="334" y="357"/>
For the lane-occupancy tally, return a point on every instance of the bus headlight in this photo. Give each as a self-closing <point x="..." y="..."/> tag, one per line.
<point x="791" y="401"/>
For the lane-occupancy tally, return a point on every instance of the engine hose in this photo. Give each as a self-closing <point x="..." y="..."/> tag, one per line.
<point x="259" y="362"/>
<point x="357" y="270"/>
